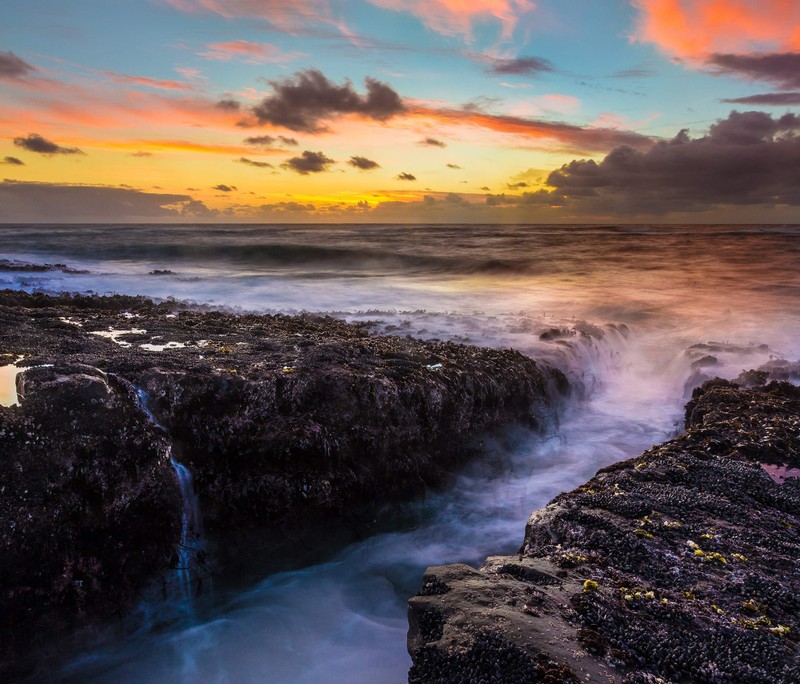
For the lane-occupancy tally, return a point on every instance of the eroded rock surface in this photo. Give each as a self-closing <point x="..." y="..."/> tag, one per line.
<point x="681" y="565"/>
<point x="89" y="507"/>
<point x="279" y="419"/>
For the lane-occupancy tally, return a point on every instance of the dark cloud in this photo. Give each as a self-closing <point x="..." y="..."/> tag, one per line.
<point x="256" y="164"/>
<point x="750" y="158"/>
<point x="196" y="209"/>
<point x="13" y="161"/>
<point x="635" y="72"/>
<point x="229" y="105"/>
<point x="309" y="162"/>
<point x="303" y="101"/>
<point x="141" y="154"/>
<point x="269" y="141"/>
<point x="453" y="166"/>
<point x="519" y="65"/>
<point x="768" y="100"/>
<point x="782" y="68"/>
<point x="224" y="188"/>
<point x="13" y="67"/>
<point x="406" y="176"/>
<point x="537" y="198"/>
<point x="517" y="186"/>
<point x="48" y="202"/>
<point x="288" y="208"/>
<point x="363" y="163"/>
<point x="432" y="142"/>
<point x="34" y="142"/>
<point x="260" y="141"/>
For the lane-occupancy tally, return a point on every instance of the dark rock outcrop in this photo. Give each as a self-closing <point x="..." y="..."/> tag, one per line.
<point x="279" y="418"/>
<point x="89" y="507"/>
<point x="681" y="565"/>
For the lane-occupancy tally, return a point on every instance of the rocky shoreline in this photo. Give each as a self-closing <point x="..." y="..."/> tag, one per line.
<point x="282" y="420"/>
<point x="680" y="565"/>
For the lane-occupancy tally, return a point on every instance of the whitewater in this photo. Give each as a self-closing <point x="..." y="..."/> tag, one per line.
<point x="636" y="301"/>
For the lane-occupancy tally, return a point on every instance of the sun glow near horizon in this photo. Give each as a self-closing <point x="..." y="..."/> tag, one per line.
<point x="504" y="110"/>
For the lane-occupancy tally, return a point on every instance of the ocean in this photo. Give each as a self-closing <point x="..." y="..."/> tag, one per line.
<point x="655" y="300"/>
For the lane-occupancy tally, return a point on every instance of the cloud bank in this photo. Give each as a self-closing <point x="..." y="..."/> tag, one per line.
<point x="750" y="158"/>
<point x="45" y="202"/>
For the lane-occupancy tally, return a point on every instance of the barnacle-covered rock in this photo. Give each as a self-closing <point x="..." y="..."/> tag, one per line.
<point x="89" y="506"/>
<point x="282" y="420"/>
<point x="689" y="566"/>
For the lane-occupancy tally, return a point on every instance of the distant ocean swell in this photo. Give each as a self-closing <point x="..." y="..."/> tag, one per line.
<point x="291" y="257"/>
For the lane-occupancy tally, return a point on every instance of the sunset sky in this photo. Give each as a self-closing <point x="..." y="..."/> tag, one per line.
<point x="400" y="110"/>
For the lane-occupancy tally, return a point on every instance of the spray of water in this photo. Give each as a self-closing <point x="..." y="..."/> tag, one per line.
<point x="345" y="620"/>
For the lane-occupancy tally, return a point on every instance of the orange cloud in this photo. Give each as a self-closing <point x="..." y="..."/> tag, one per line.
<point x="185" y="146"/>
<point x="253" y="53"/>
<point x="693" y="29"/>
<point x="42" y="103"/>
<point x="124" y="79"/>
<point x="455" y="17"/>
<point x="572" y="137"/>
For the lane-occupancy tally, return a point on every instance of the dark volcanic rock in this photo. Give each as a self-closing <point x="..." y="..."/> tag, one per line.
<point x="279" y="418"/>
<point x="89" y="510"/>
<point x="332" y="423"/>
<point x="682" y="565"/>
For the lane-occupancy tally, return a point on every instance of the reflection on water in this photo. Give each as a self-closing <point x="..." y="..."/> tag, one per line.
<point x="8" y="384"/>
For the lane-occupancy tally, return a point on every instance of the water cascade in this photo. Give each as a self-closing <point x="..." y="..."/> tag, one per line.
<point x="189" y="573"/>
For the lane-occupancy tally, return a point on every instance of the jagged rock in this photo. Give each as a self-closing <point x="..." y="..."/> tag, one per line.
<point x="89" y="508"/>
<point x="279" y="418"/>
<point x="680" y="565"/>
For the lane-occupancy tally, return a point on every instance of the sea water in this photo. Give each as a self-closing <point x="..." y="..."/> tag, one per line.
<point x="652" y="291"/>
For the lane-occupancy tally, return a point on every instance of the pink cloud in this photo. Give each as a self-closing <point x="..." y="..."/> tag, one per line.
<point x="539" y="132"/>
<point x="693" y="29"/>
<point x="455" y="17"/>
<point x="161" y="84"/>
<point x="287" y="15"/>
<point x="450" y="17"/>
<point x="246" y="51"/>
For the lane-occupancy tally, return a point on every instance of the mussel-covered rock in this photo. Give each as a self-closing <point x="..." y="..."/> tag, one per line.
<point x="681" y="565"/>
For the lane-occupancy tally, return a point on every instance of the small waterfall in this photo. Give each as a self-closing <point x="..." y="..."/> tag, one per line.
<point x="189" y="566"/>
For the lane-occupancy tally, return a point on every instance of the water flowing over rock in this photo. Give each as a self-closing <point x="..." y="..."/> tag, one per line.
<point x="278" y="418"/>
<point x="682" y="564"/>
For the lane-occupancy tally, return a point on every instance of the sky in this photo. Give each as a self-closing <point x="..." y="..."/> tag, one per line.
<point x="432" y="111"/>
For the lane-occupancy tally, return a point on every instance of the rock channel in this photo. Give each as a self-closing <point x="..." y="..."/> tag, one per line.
<point x="680" y="565"/>
<point x="282" y="420"/>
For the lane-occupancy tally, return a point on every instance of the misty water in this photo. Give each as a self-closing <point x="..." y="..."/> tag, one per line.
<point x="344" y="619"/>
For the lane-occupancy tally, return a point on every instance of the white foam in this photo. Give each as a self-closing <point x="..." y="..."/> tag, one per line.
<point x="161" y="347"/>
<point x="114" y="335"/>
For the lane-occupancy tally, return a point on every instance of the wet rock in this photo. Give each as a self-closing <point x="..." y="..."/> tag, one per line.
<point x="281" y="420"/>
<point x="89" y="509"/>
<point x="681" y="565"/>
